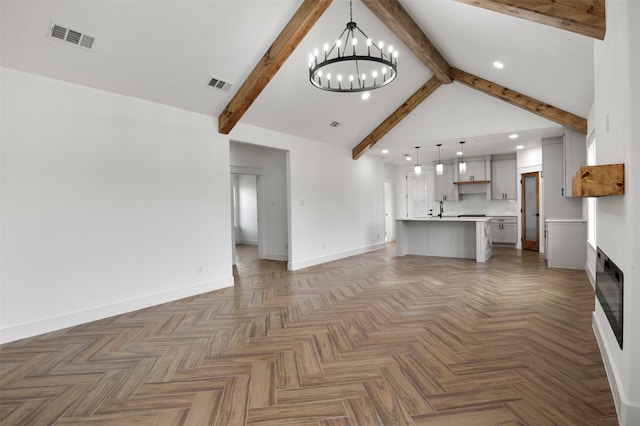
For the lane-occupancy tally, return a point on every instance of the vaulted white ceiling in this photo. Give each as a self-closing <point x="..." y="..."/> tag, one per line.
<point x="166" y="52"/>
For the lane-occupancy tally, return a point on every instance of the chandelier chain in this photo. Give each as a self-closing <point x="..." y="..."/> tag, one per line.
<point x="350" y="11"/>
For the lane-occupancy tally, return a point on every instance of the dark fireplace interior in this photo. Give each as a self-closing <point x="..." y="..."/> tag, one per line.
<point x="609" y="290"/>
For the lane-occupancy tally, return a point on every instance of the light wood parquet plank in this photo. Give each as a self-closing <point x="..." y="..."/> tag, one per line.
<point x="371" y="339"/>
<point x="387" y="405"/>
<point x="361" y="412"/>
<point x="233" y="407"/>
<point x="286" y="414"/>
<point x="484" y="416"/>
<point x="204" y="409"/>
<point x="410" y="397"/>
<point x="319" y="393"/>
<point x="262" y="389"/>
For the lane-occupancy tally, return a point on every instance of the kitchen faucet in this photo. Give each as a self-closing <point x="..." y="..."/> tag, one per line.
<point x="441" y="209"/>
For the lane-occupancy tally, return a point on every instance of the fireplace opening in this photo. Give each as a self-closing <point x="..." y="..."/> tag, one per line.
<point x="609" y="290"/>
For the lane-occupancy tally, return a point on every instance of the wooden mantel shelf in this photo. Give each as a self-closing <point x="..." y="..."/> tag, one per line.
<point x="469" y="182"/>
<point x="598" y="181"/>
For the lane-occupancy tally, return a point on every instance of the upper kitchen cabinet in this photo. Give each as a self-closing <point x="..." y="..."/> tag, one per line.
<point x="445" y="190"/>
<point x="574" y="155"/>
<point x="554" y="201"/>
<point x="504" y="179"/>
<point x="476" y="170"/>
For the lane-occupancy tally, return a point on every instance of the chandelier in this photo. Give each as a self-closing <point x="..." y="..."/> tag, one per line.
<point x="344" y="67"/>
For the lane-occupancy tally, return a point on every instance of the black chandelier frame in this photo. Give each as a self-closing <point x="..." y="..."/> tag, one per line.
<point x="357" y="83"/>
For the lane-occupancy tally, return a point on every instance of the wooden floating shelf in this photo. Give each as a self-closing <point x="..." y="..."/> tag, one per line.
<point x="598" y="181"/>
<point x="469" y="182"/>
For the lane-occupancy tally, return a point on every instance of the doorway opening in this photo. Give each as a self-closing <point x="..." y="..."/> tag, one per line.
<point x="245" y="214"/>
<point x="530" y="211"/>
<point x="259" y="201"/>
<point x="389" y="231"/>
<point x="245" y="209"/>
<point x="418" y="197"/>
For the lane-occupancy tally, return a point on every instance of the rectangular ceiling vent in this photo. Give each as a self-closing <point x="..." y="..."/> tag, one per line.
<point x="219" y="84"/>
<point x="334" y="124"/>
<point x="62" y="33"/>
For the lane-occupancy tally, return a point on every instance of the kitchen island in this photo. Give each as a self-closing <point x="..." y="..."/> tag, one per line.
<point x="466" y="237"/>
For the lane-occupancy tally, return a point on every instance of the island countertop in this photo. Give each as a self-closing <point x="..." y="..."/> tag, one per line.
<point x="449" y="219"/>
<point x="466" y="237"/>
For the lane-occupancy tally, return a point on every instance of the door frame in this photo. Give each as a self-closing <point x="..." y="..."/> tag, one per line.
<point x="251" y="171"/>
<point x="528" y="244"/>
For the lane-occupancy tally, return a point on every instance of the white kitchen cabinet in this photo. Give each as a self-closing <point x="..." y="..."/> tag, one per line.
<point x="504" y="180"/>
<point x="574" y="155"/>
<point x="555" y="205"/>
<point x="504" y="229"/>
<point x="475" y="171"/>
<point x="444" y="188"/>
<point x="566" y="243"/>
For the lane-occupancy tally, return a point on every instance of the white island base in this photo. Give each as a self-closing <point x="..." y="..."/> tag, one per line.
<point x="468" y="237"/>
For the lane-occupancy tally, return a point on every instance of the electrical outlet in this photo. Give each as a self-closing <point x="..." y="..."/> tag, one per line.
<point x="199" y="269"/>
<point x="324" y="246"/>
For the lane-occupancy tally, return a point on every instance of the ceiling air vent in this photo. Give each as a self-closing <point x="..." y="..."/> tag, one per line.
<point x="334" y="124"/>
<point x="218" y="84"/>
<point x="59" y="32"/>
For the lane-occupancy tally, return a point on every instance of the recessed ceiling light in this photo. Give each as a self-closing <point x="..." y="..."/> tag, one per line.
<point x="385" y="151"/>
<point x="407" y="157"/>
<point x="459" y="153"/>
<point x="365" y="96"/>
<point x="519" y="147"/>
<point x="498" y="65"/>
<point x="513" y="136"/>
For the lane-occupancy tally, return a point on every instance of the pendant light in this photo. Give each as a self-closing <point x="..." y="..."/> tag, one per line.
<point x="462" y="166"/>
<point x="417" y="170"/>
<point x="439" y="166"/>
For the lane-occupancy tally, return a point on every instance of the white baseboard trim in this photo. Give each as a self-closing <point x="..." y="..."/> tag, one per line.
<point x="293" y="266"/>
<point x="628" y="412"/>
<point x="247" y="242"/>
<point x="592" y="278"/>
<point x="276" y="256"/>
<point x="46" y="325"/>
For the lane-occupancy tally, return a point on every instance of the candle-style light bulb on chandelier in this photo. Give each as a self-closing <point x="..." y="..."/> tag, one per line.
<point x="439" y="165"/>
<point x="344" y="67"/>
<point x="462" y="166"/>
<point x="417" y="169"/>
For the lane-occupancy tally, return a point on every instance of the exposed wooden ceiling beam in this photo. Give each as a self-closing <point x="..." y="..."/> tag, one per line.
<point x="542" y="109"/>
<point x="586" y="17"/>
<point x="393" y="15"/>
<point x="398" y="115"/>
<point x="298" y="26"/>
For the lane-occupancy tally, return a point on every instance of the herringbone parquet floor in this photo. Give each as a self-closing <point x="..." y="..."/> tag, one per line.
<point x="373" y="339"/>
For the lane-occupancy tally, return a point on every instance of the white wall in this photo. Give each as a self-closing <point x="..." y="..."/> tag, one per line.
<point x="336" y="203"/>
<point x="272" y="166"/>
<point x="109" y="204"/>
<point x="247" y="230"/>
<point x="617" y="108"/>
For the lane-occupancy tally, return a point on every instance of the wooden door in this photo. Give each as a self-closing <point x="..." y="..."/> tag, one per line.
<point x="530" y="211"/>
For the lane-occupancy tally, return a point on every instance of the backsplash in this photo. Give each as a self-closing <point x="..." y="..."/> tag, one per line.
<point x="478" y="204"/>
